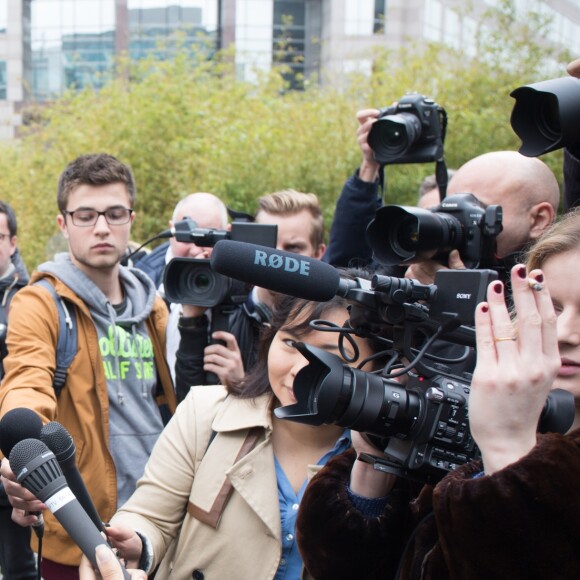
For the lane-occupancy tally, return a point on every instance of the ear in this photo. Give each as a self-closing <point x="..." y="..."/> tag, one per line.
<point x="541" y="217"/>
<point x="320" y="252"/>
<point x="61" y="221"/>
<point x="13" y="241"/>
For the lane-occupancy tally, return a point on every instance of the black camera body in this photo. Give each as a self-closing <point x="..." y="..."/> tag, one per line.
<point x="405" y="234"/>
<point x="412" y="131"/>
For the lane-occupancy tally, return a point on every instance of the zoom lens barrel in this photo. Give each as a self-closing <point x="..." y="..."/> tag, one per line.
<point x="328" y="391"/>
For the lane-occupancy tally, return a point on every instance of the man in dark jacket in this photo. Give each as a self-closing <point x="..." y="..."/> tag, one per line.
<point x="16" y="558"/>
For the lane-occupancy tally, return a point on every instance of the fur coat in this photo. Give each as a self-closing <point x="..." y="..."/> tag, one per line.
<point x="520" y="523"/>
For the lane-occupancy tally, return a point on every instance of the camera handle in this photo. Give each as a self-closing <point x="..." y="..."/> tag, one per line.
<point x="220" y="320"/>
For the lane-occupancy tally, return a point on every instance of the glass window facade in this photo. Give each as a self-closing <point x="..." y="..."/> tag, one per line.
<point x="3" y="80"/>
<point x="3" y="16"/>
<point x="155" y="26"/>
<point x="73" y="44"/>
<point x="289" y="36"/>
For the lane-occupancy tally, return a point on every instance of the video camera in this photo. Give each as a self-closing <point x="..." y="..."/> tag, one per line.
<point x="422" y="426"/>
<point x="193" y="281"/>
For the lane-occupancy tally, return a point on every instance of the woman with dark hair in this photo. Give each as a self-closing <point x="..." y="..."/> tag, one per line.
<point x="221" y="491"/>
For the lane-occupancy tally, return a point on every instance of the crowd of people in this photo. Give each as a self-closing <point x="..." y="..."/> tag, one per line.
<point x="204" y="480"/>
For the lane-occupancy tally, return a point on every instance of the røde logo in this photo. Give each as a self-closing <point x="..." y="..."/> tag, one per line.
<point x="462" y="296"/>
<point x="278" y="262"/>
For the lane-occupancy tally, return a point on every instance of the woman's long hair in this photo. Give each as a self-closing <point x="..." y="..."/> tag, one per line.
<point x="290" y="313"/>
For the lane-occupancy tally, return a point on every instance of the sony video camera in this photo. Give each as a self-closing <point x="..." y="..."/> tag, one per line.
<point x="193" y="281"/>
<point x="405" y="234"/>
<point x="412" y="131"/>
<point x="422" y="426"/>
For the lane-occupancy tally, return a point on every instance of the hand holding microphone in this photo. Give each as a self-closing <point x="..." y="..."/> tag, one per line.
<point x="16" y="425"/>
<point x="39" y="472"/>
<point x="109" y="567"/>
<point x="60" y="442"/>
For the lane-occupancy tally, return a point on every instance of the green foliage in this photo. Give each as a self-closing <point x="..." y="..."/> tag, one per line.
<point x="187" y="125"/>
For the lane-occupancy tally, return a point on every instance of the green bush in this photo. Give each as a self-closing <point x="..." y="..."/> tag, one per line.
<point x="188" y="125"/>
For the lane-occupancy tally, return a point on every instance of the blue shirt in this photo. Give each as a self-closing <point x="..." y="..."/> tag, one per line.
<point x="290" y="566"/>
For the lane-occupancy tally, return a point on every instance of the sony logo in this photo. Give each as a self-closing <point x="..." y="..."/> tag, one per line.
<point x="462" y="296"/>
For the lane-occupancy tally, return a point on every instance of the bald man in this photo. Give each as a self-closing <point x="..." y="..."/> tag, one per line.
<point x="527" y="191"/>
<point x="194" y="346"/>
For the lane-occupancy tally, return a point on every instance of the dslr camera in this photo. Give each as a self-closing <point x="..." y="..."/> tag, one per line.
<point x="412" y="131"/>
<point x="405" y="234"/>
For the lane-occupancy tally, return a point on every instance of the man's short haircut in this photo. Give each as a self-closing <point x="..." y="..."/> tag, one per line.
<point x="10" y="218"/>
<point x="94" y="169"/>
<point x="430" y="183"/>
<point x="290" y="202"/>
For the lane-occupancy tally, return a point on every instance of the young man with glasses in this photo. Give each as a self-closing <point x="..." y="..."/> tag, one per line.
<point x="119" y="377"/>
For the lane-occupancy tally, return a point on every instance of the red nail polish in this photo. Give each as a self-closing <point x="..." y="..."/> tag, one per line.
<point x="497" y="287"/>
<point x="485" y="308"/>
<point x="540" y="278"/>
<point x="521" y="272"/>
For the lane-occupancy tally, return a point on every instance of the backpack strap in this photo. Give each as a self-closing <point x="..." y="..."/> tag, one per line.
<point x="66" y="347"/>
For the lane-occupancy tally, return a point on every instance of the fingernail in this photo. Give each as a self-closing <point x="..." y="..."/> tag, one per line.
<point x="521" y="271"/>
<point x="497" y="287"/>
<point x="485" y="308"/>
<point x="540" y="278"/>
<point x="103" y="554"/>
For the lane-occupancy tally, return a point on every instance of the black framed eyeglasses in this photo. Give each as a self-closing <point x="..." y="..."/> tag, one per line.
<point x="114" y="216"/>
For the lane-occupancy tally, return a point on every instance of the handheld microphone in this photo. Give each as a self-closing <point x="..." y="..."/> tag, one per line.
<point x="60" y="442"/>
<point x="279" y="271"/>
<point x="16" y="425"/>
<point x="37" y="470"/>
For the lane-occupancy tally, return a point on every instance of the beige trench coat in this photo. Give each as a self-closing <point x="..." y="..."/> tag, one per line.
<point x="211" y="510"/>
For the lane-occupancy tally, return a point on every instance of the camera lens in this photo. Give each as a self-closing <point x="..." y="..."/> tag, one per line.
<point x="403" y="235"/>
<point x="192" y="281"/>
<point x="392" y="136"/>
<point x="329" y="391"/>
<point x="547" y="116"/>
<point x="201" y="281"/>
<point x="406" y="236"/>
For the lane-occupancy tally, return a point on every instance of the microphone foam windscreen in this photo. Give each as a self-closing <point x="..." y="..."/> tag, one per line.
<point x="276" y="270"/>
<point x="56" y="437"/>
<point x="16" y="425"/>
<point x="24" y="452"/>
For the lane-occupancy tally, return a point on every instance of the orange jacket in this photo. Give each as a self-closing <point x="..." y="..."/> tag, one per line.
<point x="83" y="405"/>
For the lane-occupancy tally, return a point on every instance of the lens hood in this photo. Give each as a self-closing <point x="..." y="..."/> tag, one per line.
<point x="546" y="115"/>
